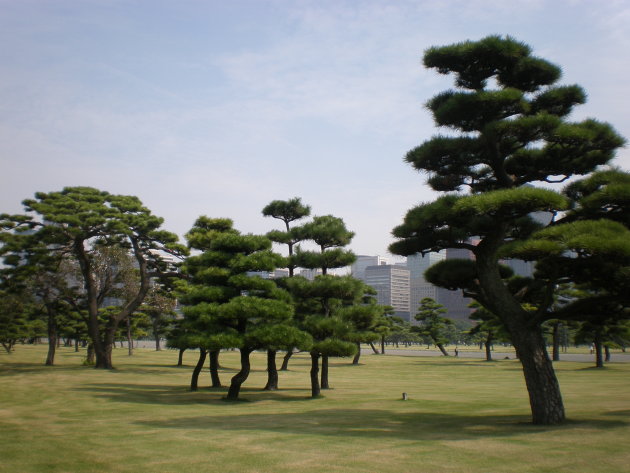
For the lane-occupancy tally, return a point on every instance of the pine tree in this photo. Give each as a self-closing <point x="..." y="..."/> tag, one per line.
<point x="228" y="304"/>
<point x="513" y="131"/>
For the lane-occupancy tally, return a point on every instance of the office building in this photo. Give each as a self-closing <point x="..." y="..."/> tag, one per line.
<point x="358" y="267"/>
<point x="391" y="283"/>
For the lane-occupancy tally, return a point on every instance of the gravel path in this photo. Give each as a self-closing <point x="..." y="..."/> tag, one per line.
<point x="497" y="355"/>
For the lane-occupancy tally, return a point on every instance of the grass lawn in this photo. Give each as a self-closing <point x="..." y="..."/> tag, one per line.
<point x="462" y="416"/>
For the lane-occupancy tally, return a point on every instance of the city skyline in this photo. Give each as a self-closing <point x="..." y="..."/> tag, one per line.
<point x="216" y="108"/>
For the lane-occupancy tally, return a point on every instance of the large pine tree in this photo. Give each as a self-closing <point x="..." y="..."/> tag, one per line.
<point x="508" y="130"/>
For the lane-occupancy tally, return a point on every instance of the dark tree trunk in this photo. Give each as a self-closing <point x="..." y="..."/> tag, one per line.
<point x="272" y="371"/>
<point x="543" y="388"/>
<point x="488" y="344"/>
<point x="52" y="339"/>
<point x="382" y="345"/>
<point x="606" y="353"/>
<point x="194" y="380"/>
<point x="442" y="349"/>
<point x="324" y="375"/>
<point x="285" y="360"/>
<point x="555" y="354"/>
<point x="239" y="378"/>
<point x="214" y="369"/>
<point x="76" y="344"/>
<point x="91" y="354"/>
<point x="355" y="360"/>
<point x="315" y="388"/>
<point x="103" y="350"/>
<point x="180" y="358"/>
<point x="544" y="391"/>
<point x="157" y="343"/>
<point x="376" y="352"/>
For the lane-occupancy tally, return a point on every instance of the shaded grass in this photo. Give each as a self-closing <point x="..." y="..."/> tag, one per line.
<point x="461" y="416"/>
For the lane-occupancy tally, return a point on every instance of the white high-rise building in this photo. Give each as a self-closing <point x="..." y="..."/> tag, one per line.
<point x="391" y="283"/>
<point x="358" y="267"/>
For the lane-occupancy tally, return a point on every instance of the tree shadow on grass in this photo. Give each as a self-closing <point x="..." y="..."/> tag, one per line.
<point x="14" y="369"/>
<point x="376" y="423"/>
<point x="457" y="364"/>
<point x="181" y="395"/>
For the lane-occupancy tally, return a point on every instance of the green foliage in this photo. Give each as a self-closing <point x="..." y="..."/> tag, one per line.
<point x="287" y="210"/>
<point x="456" y="273"/>
<point x="327" y="232"/>
<point x="432" y="324"/>
<point x="507" y="60"/>
<point x="78" y="221"/>
<point x="14" y="324"/>
<point x="226" y="304"/>
<point x="512" y="203"/>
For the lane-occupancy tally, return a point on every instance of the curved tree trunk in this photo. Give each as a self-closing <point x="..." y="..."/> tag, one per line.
<point x="194" y="380"/>
<point x="315" y="387"/>
<point x="376" y="352"/>
<point x="239" y="378"/>
<point x="442" y="349"/>
<point x="355" y="360"/>
<point x="180" y="358"/>
<point x="542" y="385"/>
<point x="285" y="360"/>
<point x="52" y="339"/>
<point x="545" y="398"/>
<point x="214" y="369"/>
<point x="272" y="371"/>
<point x="324" y="375"/>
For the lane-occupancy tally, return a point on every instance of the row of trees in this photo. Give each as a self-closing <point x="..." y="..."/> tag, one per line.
<point x="69" y="252"/>
<point x="485" y="329"/>
<point x="228" y="303"/>
<point x="94" y="264"/>
<point x="508" y="146"/>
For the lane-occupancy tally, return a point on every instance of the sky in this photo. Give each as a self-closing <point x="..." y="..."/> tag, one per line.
<point x="217" y="108"/>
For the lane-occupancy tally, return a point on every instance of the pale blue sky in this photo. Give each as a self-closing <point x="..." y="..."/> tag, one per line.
<point x="216" y="108"/>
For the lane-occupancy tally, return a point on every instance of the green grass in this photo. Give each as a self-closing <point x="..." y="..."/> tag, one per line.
<point x="462" y="416"/>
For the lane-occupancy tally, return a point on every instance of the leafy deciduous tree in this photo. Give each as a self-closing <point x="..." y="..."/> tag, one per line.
<point x="76" y="219"/>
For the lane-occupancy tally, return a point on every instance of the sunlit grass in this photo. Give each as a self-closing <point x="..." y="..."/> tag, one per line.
<point x="462" y="415"/>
